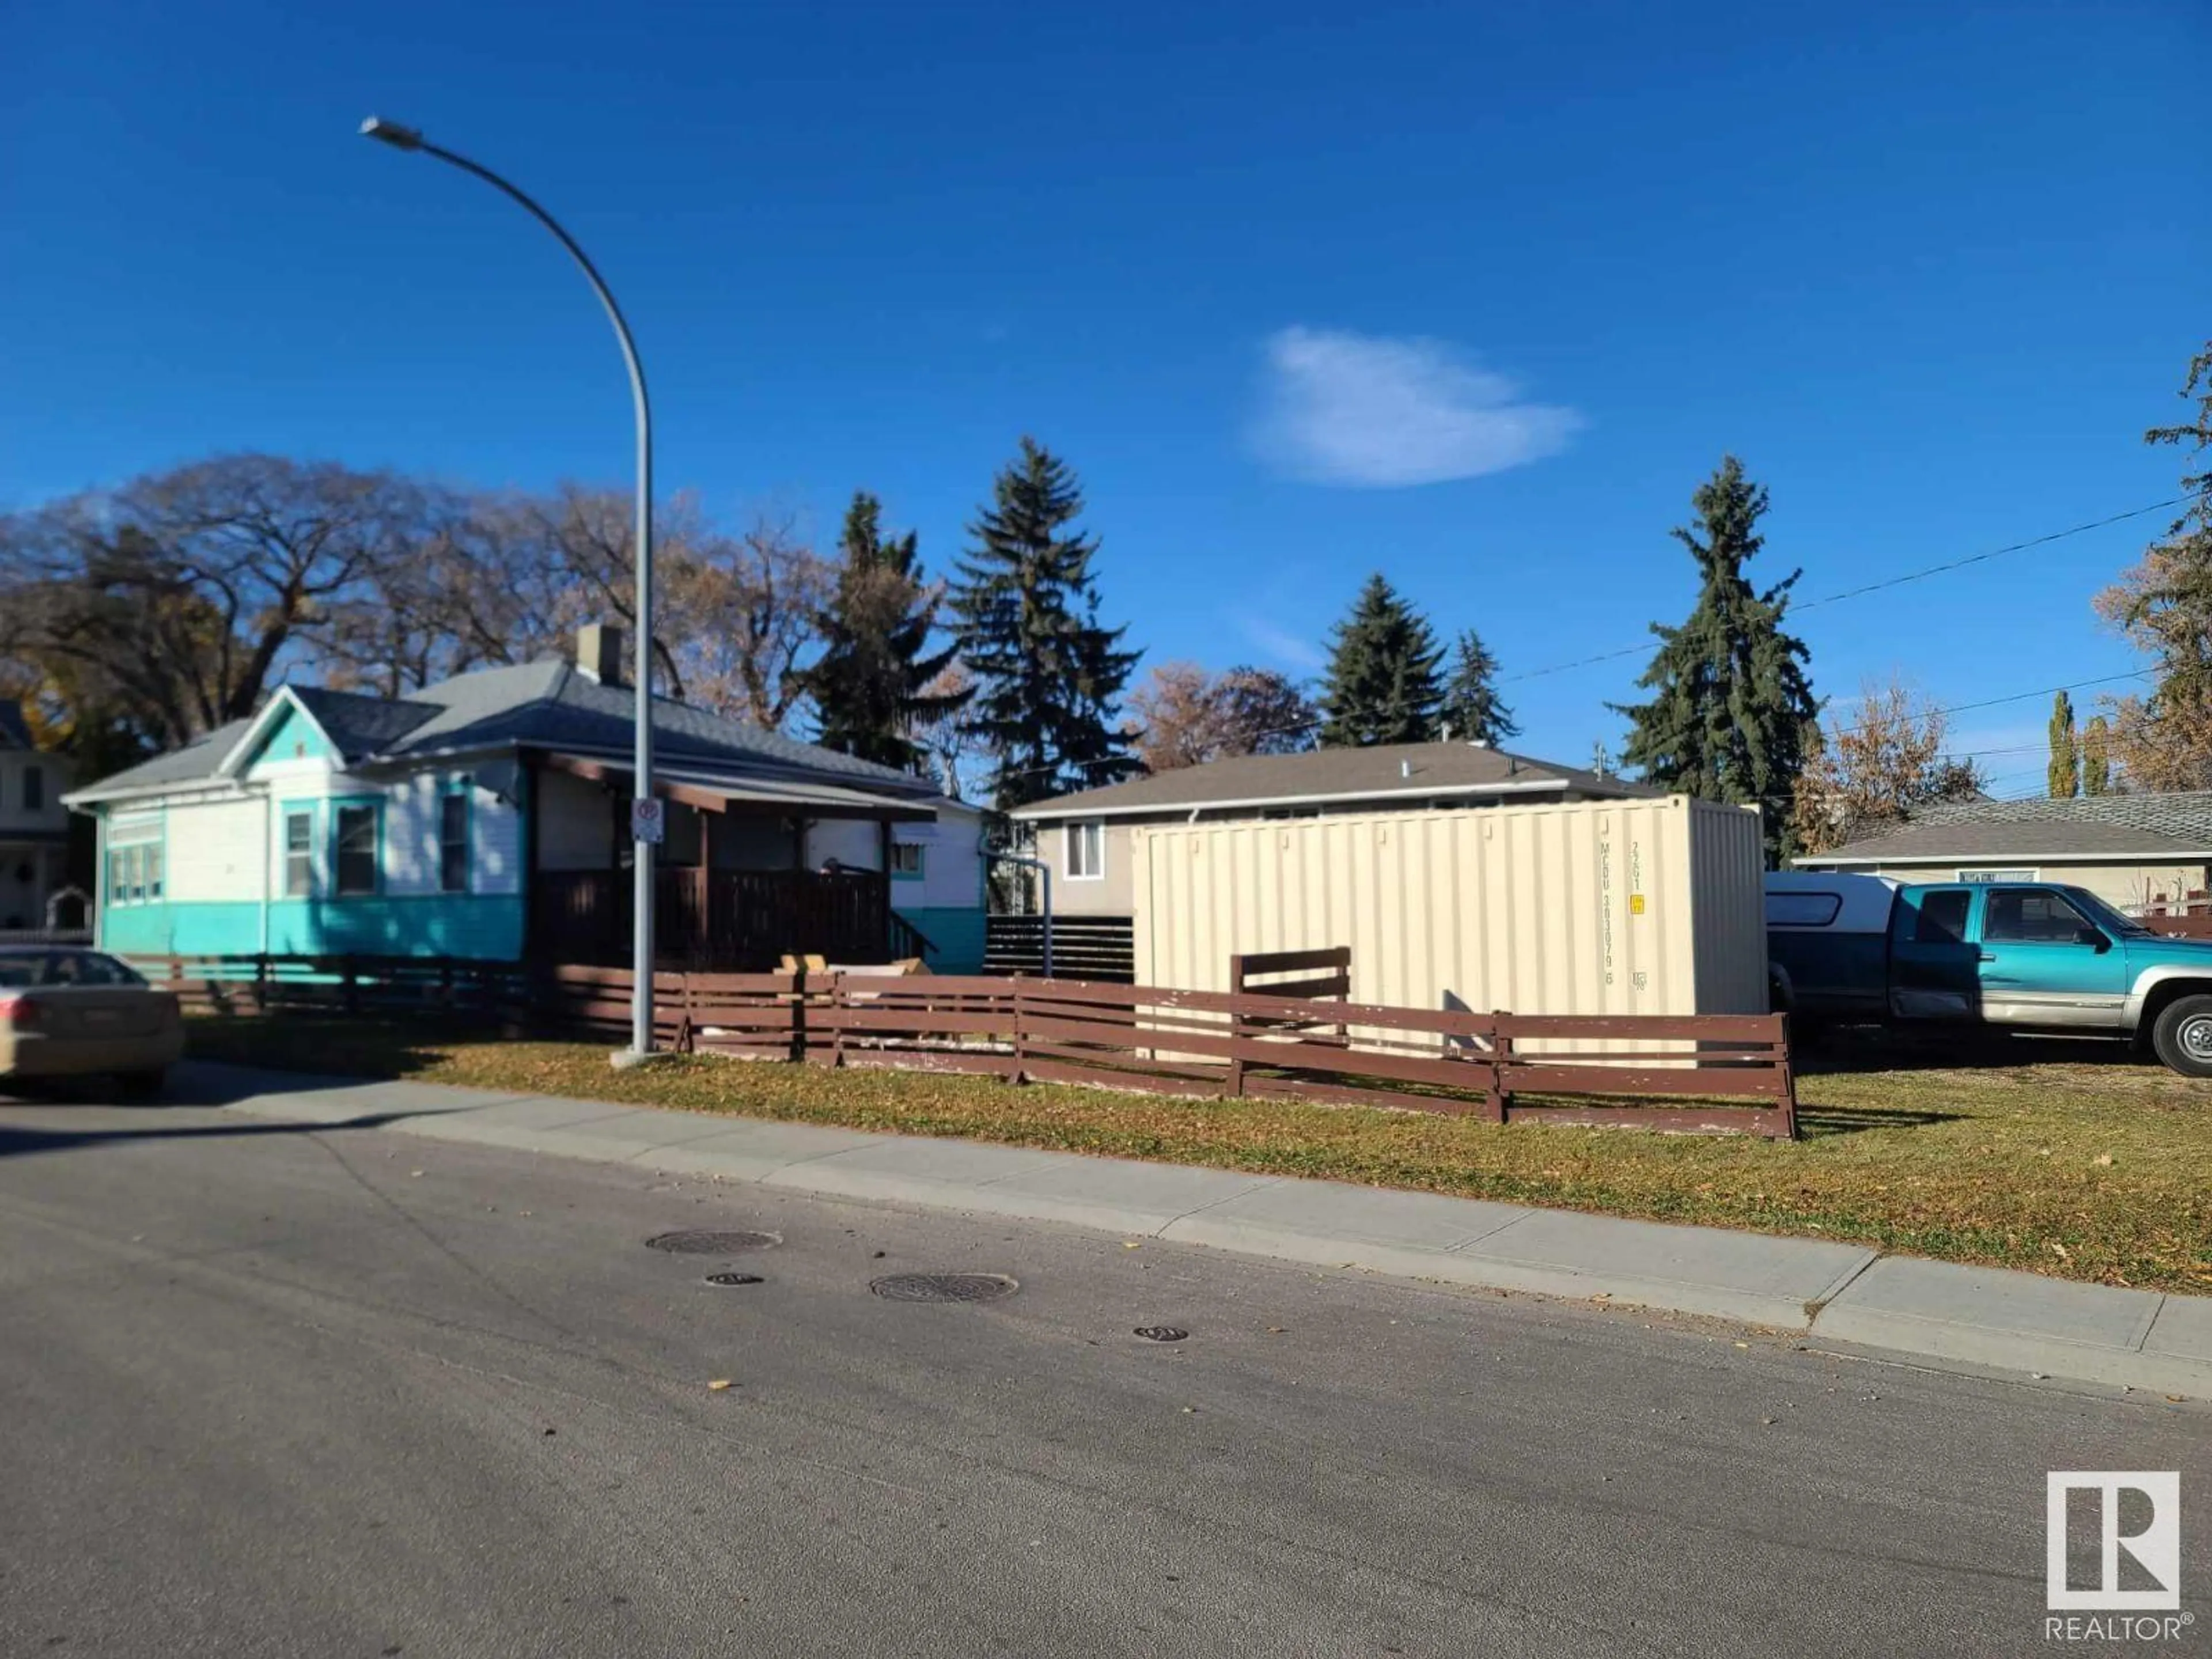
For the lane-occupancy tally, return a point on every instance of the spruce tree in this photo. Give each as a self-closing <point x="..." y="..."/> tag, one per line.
<point x="2065" y="771"/>
<point x="1473" y="710"/>
<point x="868" y="685"/>
<point x="1048" y="677"/>
<point x="1381" y="684"/>
<point x="1732" y="711"/>
<point x="2097" y="758"/>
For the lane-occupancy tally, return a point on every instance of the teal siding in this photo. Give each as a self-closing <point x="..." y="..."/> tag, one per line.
<point x="484" y="926"/>
<point x="956" y="931"/>
<point x="292" y="730"/>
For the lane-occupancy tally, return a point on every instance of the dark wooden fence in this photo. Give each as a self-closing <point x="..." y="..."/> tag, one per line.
<point x="1697" y="1074"/>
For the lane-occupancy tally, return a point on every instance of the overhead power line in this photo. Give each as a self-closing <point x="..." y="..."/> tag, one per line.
<point x="1875" y="587"/>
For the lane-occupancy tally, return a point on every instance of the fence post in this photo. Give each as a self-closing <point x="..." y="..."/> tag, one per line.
<point x="1501" y="1057"/>
<point x="837" y="1007"/>
<point x="261" y="984"/>
<point x="349" y="987"/>
<point x="1786" y="1077"/>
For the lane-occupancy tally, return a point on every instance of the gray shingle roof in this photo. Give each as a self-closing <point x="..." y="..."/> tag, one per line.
<point x="1388" y="769"/>
<point x="2124" y="826"/>
<point x="538" y="705"/>
<point x="13" y="734"/>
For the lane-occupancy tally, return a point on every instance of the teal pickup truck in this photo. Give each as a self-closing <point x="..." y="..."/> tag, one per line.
<point x="2026" y="956"/>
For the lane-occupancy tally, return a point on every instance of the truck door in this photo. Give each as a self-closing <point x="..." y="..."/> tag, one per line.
<point x="1933" y="963"/>
<point x="2045" y="963"/>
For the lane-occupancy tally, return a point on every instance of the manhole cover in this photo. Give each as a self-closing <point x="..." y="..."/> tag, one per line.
<point x="1162" y="1333"/>
<point x="735" y="1279"/>
<point x="944" y="1287"/>
<point x="710" y="1243"/>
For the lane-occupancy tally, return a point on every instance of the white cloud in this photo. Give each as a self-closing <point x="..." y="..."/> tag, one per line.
<point x="1377" y="413"/>
<point x="1280" y="643"/>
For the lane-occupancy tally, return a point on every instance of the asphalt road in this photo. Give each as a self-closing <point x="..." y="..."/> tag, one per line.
<point x="270" y="1392"/>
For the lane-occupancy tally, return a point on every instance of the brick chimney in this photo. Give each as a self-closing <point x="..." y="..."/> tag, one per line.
<point x="600" y="652"/>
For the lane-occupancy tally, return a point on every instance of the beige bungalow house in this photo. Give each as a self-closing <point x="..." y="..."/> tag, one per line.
<point x="2132" y="851"/>
<point x="1085" y="839"/>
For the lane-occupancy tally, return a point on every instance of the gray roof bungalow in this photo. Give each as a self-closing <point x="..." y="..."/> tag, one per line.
<point x="1085" y="837"/>
<point x="2134" y="851"/>
<point x="487" y="816"/>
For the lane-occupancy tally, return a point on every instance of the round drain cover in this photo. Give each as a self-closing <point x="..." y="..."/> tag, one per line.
<point x="1162" y="1333"/>
<point x="735" y="1279"/>
<point x="710" y="1243"/>
<point x="944" y="1287"/>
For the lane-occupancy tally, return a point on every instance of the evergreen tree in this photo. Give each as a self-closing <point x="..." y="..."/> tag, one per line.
<point x="1732" y="711"/>
<point x="1048" y="677"/>
<point x="2065" y="773"/>
<point x="1382" y="683"/>
<point x="869" y="685"/>
<point x="1473" y="710"/>
<point x="2097" y="758"/>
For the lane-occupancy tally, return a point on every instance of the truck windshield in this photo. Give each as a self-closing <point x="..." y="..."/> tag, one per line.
<point x="2104" y="916"/>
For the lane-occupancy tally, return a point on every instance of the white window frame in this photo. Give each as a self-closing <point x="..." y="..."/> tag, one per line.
<point x="1071" y="838"/>
<point x="306" y="854"/>
<point x="901" y="851"/>
<point x="1985" y="875"/>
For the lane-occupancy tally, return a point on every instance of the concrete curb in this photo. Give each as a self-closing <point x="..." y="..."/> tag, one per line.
<point x="1983" y="1317"/>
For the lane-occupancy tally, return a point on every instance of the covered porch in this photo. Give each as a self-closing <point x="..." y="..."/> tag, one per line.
<point x="744" y="878"/>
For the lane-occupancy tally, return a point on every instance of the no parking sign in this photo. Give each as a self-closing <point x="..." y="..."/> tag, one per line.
<point x="648" y="823"/>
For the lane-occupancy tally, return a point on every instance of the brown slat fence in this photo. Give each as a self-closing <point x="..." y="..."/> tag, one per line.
<point x="1691" y="1073"/>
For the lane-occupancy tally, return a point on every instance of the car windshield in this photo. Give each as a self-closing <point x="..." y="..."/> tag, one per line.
<point x="2104" y="916"/>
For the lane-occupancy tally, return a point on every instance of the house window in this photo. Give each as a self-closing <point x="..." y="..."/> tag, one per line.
<point x="452" y="843"/>
<point x="134" y="875"/>
<point x="356" y="864"/>
<point x="1980" y="878"/>
<point x="299" y="854"/>
<point x="906" y="860"/>
<point x="34" y="789"/>
<point x="152" y="851"/>
<point x="1087" y="851"/>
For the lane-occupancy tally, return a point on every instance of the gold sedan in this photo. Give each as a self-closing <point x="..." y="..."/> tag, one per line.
<point x="70" y="1013"/>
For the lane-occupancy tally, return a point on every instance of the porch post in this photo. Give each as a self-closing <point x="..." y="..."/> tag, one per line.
<point x="884" y="887"/>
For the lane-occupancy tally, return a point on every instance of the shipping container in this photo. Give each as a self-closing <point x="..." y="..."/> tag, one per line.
<point x="1616" y="907"/>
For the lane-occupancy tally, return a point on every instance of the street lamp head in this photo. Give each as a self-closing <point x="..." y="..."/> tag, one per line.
<point x="391" y="132"/>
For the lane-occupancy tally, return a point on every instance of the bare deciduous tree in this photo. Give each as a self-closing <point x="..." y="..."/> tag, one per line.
<point x="1187" y="717"/>
<point x="747" y="611"/>
<point x="1870" y="771"/>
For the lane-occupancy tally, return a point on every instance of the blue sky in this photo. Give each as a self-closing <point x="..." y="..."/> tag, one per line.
<point x="1473" y="295"/>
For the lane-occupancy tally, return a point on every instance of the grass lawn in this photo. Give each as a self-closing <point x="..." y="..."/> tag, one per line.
<point x="2065" y="1159"/>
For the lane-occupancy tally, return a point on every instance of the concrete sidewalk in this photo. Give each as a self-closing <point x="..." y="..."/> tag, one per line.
<point x="1840" y="1293"/>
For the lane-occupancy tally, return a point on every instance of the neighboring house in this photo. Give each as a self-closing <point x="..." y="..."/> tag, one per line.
<point x="1085" y="838"/>
<point x="488" y="816"/>
<point x="2130" y="850"/>
<point x="34" y="825"/>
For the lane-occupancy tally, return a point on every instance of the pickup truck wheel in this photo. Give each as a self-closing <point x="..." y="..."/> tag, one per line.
<point x="2183" y="1035"/>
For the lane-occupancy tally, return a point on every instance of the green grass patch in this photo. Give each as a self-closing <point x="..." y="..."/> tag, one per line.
<point x="2083" y="1167"/>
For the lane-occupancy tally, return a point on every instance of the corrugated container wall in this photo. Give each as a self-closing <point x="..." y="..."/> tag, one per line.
<point x="1599" y="907"/>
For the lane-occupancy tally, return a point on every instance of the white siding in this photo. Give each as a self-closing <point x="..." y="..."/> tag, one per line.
<point x="211" y="853"/>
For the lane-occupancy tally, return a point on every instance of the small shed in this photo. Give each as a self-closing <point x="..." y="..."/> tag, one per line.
<point x="1603" y="907"/>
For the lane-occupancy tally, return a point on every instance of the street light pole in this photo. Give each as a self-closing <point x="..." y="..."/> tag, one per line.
<point x="406" y="138"/>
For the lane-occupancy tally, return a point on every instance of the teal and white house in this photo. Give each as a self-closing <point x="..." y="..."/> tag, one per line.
<point x="486" y="816"/>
